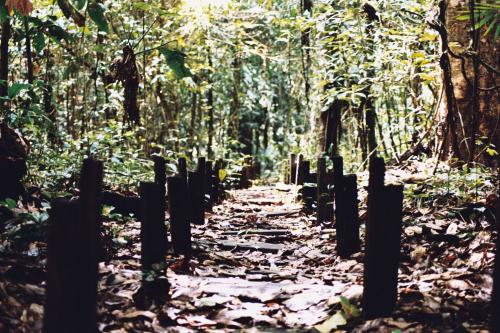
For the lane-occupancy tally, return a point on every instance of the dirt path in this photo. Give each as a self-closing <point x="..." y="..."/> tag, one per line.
<point x="260" y="261"/>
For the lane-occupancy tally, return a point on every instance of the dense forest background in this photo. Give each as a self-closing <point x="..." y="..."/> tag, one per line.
<point x="121" y="80"/>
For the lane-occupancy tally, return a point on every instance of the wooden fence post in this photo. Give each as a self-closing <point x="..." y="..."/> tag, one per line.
<point x="292" y="169"/>
<point x="178" y="209"/>
<point x="160" y="172"/>
<point x="216" y="182"/>
<point x="153" y="238"/>
<point x="298" y="172"/>
<point x="201" y="165"/>
<point x="347" y="218"/>
<point x="383" y="238"/>
<point x="243" y="178"/>
<point x="182" y="168"/>
<point x="208" y="185"/>
<point x="91" y="182"/>
<point x="322" y="191"/>
<point x="67" y="309"/>
<point x="196" y="198"/>
<point x="301" y="170"/>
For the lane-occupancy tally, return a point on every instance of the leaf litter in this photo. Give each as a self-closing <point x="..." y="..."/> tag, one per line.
<point x="444" y="277"/>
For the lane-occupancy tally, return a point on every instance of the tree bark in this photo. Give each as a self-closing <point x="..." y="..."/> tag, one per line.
<point x="472" y="81"/>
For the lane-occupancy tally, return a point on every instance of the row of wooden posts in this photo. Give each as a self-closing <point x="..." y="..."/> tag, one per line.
<point x="334" y="195"/>
<point x="74" y="245"/>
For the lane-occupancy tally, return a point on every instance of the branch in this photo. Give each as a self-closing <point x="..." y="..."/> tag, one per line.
<point x="71" y="13"/>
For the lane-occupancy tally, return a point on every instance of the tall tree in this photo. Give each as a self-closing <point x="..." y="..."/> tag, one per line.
<point x="470" y="117"/>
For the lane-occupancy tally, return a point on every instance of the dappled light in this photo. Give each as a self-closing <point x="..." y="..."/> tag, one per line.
<point x="249" y="166"/>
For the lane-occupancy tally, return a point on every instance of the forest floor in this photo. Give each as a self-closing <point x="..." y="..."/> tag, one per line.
<point x="261" y="264"/>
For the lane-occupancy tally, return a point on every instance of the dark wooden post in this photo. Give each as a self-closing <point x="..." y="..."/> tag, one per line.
<point x="153" y="239"/>
<point x="66" y="308"/>
<point x="249" y="167"/>
<point x="337" y="177"/>
<point x="216" y="182"/>
<point x="91" y="181"/>
<point x="196" y="198"/>
<point x="208" y="185"/>
<point x="347" y="218"/>
<point x="243" y="178"/>
<point x="160" y="172"/>
<point x="300" y="170"/>
<point x="153" y="230"/>
<point x="292" y="169"/>
<point x="383" y="237"/>
<point x="178" y="209"/>
<point x="322" y="191"/>
<point x="182" y="165"/>
<point x="201" y="165"/>
<point x="495" y="295"/>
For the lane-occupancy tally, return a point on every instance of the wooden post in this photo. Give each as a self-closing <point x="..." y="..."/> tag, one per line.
<point x="347" y="218"/>
<point x="337" y="177"/>
<point x="208" y="185"/>
<point x="160" y="172"/>
<point x="153" y="230"/>
<point x="153" y="239"/>
<point x="182" y="165"/>
<point x="215" y="182"/>
<point x="91" y="182"/>
<point x="73" y="254"/>
<point x="495" y="295"/>
<point x="178" y="209"/>
<point x="298" y="173"/>
<point x="67" y="308"/>
<point x="292" y="168"/>
<point x="243" y="178"/>
<point x="196" y="198"/>
<point x="322" y="191"/>
<point x="201" y="165"/>
<point x="301" y="170"/>
<point x="383" y="237"/>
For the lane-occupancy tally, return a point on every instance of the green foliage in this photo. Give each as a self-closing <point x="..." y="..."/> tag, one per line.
<point x="17" y="88"/>
<point x="80" y="4"/>
<point x="176" y="62"/>
<point x="487" y="16"/>
<point x="96" y="13"/>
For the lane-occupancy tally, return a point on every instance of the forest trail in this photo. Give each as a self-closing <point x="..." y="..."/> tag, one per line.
<point x="261" y="264"/>
<point x="258" y="261"/>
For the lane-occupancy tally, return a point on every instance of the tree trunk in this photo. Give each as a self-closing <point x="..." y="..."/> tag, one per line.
<point x="306" y="7"/>
<point x="210" y="107"/>
<point x="470" y="117"/>
<point x="4" y="61"/>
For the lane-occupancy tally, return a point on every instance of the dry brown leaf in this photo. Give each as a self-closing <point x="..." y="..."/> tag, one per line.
<point x="24" y="7"/>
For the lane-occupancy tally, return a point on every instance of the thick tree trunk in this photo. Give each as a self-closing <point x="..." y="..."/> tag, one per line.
<point x="470" y="122"/>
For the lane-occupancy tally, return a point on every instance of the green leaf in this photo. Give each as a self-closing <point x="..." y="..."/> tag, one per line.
<point x="176" y="62"/>
<point x="4" y="13"/>
<point x="96" y="13"/>
<point x="16" y="88"/>
<point x="57" y="33"/>
<point x="350" y="310"/>
<point x="39" y="42"/>
<point x="497" y="32"/>
<point x="80" y="4"/>
<point x="10" y="203"/>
